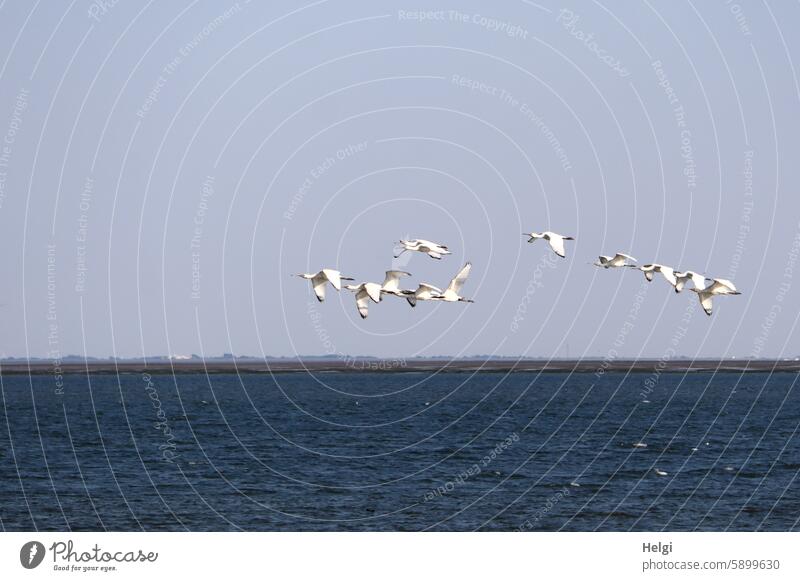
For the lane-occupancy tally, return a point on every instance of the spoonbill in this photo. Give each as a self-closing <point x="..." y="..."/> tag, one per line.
<point x="698" y="280"/>
<point x="364" y="292"/>
<point x="556" y="241"/>
<point x="432" y="249"/>
<point x="650" y="270"/>
<point x="321" y="278"/>
<point x="718" y="286"/>
<point x="615" y="261"/>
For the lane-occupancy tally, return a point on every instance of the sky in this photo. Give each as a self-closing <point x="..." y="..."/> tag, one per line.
<point x="165" y="167"/>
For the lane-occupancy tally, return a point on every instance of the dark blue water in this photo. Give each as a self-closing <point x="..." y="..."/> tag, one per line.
<point x="400" y="452"/>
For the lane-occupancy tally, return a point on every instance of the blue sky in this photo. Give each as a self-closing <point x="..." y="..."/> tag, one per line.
<point x="165" y="167"/>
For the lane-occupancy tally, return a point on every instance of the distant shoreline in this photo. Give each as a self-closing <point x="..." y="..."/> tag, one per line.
<point x="399" y="365"/>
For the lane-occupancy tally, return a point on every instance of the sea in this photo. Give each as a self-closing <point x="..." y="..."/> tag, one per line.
<point x="426" y="451"/>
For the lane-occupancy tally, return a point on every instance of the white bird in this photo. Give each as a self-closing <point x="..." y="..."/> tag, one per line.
<point x="660" y="472"/>
<point x="424" y="292"/>
<point x="556" y="241"/>
<point x="698" y="280"/>
<point x="451" y="293"/>
<point x="615" y="261"/>
<point x="649" y="271"/>
<point x="432" y="249"/>
<point x="391" y="284"/>
<point x="364" y="292"/>
<point x="718" y="286"/>
<point x="321" y="278"/>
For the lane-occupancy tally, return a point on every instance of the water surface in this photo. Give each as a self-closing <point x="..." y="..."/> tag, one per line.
<point x="400" y="451"/>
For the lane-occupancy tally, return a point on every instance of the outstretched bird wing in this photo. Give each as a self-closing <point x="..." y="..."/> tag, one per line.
<point x="460" y="278"/>
<point x="669" y="274"/>
<point x="427" y="291"/>
<point x="698" y="280"/>
<point x="318" y="282"/>
<point x="362" y="302"/>
<point x="373" y="290"/>
<point x="392" y="280"/>
<point x="334" y="276"/>
<point x="557" y="244"/>
<point x="705" y="301"/>
<point x="725" y="283"/>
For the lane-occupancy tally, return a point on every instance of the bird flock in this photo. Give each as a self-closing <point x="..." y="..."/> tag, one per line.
<point x="678" y="280"/>
<point x="706" y="287"/>
<point x="372" y="291"/>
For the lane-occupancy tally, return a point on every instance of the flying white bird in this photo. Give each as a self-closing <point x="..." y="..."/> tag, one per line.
<point x="615" y="261"/>
<point x="649" y="271"/>
<point x="556" y="240"/>
<point x="453" y="290"/>
<point x="718" y="286"/>
<point x="698" y="280"/>
<point x="321" y="278"/>
<point x="432" y="249"/>
<point x="428" y="292"/>
<point x="364" y="292"/>
<point x="391" y="284"/>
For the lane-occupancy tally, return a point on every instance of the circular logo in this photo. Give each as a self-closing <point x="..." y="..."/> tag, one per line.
<point x="31" y="554"/>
